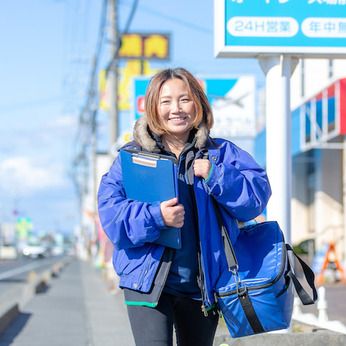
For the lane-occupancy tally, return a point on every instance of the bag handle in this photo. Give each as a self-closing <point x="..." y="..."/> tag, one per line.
<point x="310" y="279"/>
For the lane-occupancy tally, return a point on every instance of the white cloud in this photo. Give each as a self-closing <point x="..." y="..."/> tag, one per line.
<point x="64" y="121"/>
<point x="23" y="176"/>
<point x="59" y="129"/>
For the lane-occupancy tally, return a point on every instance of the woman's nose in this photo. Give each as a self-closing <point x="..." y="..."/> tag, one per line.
<point x="176" y="107"/>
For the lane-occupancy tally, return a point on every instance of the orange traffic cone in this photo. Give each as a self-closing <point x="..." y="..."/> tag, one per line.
<point x="329" y="258"/>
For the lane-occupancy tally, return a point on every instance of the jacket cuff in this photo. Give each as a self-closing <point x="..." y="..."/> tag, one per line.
<point x="210" y="173"/>
<point x="155" y="212"/>
<point x="212" y="182"/>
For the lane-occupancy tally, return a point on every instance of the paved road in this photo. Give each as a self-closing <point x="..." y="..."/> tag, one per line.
<point x="19" y="268"/>
<point x="14" y="275"/>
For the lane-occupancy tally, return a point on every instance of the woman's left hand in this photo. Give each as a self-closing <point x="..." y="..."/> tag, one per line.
<point x="201" y="168"/>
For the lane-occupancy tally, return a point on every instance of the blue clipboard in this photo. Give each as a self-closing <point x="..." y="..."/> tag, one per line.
<point x="151" y="178"/>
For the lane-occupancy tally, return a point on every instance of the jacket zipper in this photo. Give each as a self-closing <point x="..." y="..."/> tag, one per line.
<point x="201" y="278"/>
<point x="282" y="267"/>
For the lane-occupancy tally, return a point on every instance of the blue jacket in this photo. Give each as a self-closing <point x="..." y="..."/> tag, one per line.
<point x="237" y="184"/>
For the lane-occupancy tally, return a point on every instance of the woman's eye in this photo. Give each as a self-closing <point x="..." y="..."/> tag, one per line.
<point x="165" y="102"/>
<point x="185" y="100"/>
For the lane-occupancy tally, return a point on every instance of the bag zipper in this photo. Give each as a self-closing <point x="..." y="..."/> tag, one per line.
<point x="282" y="268"/>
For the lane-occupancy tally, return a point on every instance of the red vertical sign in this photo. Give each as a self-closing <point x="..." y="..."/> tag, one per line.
<point x="342" y="106"/>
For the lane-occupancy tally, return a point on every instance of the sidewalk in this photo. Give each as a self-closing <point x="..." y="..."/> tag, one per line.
<point x="76" y="310"/>
<point x="336" y="309"/>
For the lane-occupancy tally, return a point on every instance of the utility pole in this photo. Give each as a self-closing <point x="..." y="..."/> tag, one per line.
<point x="113" y="73"/>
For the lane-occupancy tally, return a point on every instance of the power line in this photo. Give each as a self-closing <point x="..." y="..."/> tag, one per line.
<point x="131" y="16"/>
<point x="88" y="113"/>
<point x="76" y="24"/>
<point x="172" y="19"/>
<point x="91" y="90"/>
<point x="85" y="126"/>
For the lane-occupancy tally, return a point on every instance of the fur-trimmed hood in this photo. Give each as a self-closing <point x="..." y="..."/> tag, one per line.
<point x="143" y="137"/>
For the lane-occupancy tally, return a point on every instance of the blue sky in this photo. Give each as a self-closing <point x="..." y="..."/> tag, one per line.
<point x="45" y="60"/>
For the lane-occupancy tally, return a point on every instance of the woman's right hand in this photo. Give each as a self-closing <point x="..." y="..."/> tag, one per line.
<point x="172" y="213"/>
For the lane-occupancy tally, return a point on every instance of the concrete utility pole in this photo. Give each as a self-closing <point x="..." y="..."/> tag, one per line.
<point x="278" y="70"/>
<point x="113" y="74"/>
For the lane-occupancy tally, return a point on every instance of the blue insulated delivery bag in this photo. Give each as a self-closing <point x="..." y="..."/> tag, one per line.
<point x="256" y="294"/>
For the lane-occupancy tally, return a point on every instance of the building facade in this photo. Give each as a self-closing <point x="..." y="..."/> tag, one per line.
<point x="318" y="103"/>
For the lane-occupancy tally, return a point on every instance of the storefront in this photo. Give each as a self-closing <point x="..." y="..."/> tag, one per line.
<point x="319" y="168"/>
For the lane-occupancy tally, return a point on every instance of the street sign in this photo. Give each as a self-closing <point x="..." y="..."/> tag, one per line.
<point x="303" y="28"/>
<point x="232" y="101"/>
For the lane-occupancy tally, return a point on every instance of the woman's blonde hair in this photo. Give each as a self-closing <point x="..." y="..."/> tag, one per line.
<point x="204" y="113"/>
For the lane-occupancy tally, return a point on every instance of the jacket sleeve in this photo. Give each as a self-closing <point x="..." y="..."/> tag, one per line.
<point x="127" y="223"/>
<point x="238" y="183"/>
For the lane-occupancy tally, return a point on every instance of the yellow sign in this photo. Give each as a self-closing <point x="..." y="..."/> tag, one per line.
<point x="140" y="46"/>
<point x="156" y="46"/>
<point x="131" y="46"/>
<point x="133" y="68"/>
<point x="103" y="91"/>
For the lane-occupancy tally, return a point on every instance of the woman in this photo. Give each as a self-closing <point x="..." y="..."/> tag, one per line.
<point x="165" y="287"/>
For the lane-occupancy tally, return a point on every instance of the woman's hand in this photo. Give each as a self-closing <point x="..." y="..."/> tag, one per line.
<point x="172" y="213"/>
<point x="201" y="168"/>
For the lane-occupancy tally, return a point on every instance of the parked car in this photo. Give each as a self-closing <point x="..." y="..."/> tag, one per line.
<point x="35" y="250"/>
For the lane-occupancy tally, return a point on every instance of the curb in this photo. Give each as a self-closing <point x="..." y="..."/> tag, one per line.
<point x="8" y="317"/>
<point x="13" y="301"/>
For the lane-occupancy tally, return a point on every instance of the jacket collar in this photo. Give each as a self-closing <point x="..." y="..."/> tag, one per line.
<point x="146" y="139"/>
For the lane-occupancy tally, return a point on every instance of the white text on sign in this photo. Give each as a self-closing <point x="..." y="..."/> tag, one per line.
<point x="263" y="26"/>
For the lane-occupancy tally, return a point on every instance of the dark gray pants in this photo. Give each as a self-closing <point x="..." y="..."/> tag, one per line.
<point x="154" y="326"/>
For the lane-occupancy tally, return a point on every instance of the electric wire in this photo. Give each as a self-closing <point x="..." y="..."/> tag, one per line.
<point x="91" y="89"/>
<point x="89" y="111"/>
<point x="85" y="124"/>
<point x="172" y="19"/>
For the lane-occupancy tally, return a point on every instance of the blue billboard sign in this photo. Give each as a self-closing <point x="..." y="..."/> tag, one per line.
<point x="248" y="28"/>
<point x="232" y="101"/>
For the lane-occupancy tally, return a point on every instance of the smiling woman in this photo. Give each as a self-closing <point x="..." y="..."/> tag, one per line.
<point x="165" y="286"/>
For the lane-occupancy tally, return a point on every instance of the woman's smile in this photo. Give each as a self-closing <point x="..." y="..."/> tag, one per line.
<point x="178" y="120"/>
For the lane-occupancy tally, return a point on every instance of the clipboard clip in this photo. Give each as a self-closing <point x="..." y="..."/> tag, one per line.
<point x="144" y="160"/>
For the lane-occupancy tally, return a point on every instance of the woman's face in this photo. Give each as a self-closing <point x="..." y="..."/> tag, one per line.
<point x="176" y="108"/>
